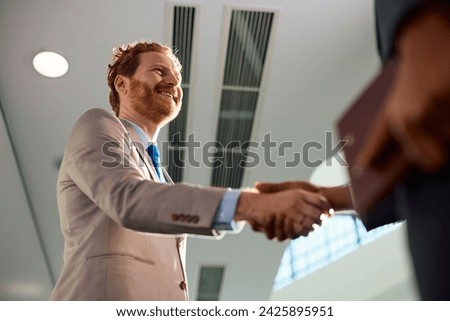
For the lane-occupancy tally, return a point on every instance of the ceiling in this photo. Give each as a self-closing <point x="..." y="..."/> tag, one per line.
<point x="321" y="54"/>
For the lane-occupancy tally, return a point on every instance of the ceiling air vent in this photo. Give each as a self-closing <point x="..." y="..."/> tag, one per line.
<point x="210" y="283"/>
<point x="182" y="35"/>
<point x="246" y="52"/>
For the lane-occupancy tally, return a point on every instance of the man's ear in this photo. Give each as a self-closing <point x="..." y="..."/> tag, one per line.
<point x="121" y="83"/>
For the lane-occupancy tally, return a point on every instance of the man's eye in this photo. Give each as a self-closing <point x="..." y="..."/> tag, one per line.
<point x="159" y="71"/>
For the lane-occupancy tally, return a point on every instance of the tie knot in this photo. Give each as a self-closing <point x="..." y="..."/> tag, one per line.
<point x="153" y="152"/>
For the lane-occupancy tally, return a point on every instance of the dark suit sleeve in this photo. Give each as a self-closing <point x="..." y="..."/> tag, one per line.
<point x="388" y="16"/>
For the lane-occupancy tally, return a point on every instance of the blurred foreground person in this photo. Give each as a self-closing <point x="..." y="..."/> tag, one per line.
<point x="415" y="117"/>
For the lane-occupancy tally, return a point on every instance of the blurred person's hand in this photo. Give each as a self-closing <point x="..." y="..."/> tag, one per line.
<point x="417" y="110"/>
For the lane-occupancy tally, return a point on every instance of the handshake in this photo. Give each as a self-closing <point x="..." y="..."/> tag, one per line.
<point x="289" y="210"/>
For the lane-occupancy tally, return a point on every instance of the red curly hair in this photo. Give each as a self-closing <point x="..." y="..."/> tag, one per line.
<point x="126" y="61"/>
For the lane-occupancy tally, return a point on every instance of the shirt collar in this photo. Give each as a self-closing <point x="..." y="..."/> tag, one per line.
<point x="143" y="137"/>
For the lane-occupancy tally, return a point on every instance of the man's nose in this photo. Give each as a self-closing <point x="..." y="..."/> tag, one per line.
<point x="171" y="79"/>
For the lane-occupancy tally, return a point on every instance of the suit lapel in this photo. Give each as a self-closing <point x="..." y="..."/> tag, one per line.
<point x="167" y="176"/>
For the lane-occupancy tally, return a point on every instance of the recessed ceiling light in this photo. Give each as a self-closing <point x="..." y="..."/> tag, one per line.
<point x="50" y="64"/>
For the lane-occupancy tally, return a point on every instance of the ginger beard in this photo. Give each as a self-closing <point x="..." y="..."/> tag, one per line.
<point x="152" y="105"/>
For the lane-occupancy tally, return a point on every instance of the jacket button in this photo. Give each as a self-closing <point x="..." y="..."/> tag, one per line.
<point x="183" y="285"/>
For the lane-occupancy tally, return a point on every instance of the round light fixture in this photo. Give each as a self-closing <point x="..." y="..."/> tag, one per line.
<point x="50" y="64"/>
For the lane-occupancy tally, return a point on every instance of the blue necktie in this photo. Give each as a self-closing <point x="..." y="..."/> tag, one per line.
<point x="153" y="153"/>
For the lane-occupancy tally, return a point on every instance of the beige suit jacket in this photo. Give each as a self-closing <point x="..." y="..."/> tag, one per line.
<point x="124" y="233"/>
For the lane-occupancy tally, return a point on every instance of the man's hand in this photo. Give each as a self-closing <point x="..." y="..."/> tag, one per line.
<point x="416" y="112"/>
<point x="338" y="196"/>
<point x="282" y="215"/>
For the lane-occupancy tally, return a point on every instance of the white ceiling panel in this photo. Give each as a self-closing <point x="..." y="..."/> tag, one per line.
<point x="24" y="271"/>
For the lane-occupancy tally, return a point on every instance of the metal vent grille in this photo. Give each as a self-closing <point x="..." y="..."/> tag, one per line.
<point x="248" y="41"/>
<point x="210" y="283"/>
<point x="182" y="41"/>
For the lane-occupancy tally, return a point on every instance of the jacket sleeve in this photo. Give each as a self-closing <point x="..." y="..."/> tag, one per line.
<point x="388" y="16"/>
<point x="100" y="163"/>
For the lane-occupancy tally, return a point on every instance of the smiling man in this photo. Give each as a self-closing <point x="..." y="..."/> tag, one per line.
<point x="124" y="221"/>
